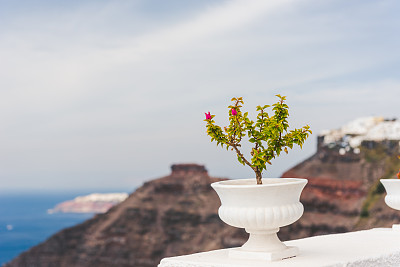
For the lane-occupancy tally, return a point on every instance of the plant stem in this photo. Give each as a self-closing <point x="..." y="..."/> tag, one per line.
<point x="255" y="169"/>
<point x="258" y="176"/>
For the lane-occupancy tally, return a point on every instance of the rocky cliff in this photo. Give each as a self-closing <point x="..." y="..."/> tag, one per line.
<point x="344" y="193"/>
<point x="177" y="214"/>
<point x="173" y="215"/>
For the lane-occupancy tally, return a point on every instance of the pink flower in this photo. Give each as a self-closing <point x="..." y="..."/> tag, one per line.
<point x="234" y="112"/>
<point x="208" y="116"/>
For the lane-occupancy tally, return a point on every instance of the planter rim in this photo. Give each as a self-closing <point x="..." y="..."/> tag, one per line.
<point x="390" y="180"/>
<point x="251" y="182"/>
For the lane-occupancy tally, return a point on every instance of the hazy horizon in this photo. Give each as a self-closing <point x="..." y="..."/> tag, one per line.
<point x="106" y="94"/>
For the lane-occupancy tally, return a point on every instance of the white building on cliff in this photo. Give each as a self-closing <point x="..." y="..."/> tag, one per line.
<point x="350" y="136"/>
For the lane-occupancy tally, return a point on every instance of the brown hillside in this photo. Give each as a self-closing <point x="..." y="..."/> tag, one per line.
<point x="173" y="215"/>
<point x="177" y="214"/>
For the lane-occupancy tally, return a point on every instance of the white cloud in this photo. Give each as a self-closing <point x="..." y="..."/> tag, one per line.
<point x="102" y="88"/>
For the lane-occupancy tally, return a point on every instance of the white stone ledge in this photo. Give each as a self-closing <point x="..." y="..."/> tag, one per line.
<point x="375" y="247"/>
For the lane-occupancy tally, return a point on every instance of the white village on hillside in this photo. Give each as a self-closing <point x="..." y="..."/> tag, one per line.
<point x="350" y="136"/>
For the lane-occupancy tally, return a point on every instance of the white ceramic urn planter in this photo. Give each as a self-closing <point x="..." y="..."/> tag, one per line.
<point x="392" y="199"/>
<point x="261" y="210"/>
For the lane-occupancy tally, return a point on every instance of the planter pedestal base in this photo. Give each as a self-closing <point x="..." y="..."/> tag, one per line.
<point x="239" y="253"/>
<point x="263" y="245"/>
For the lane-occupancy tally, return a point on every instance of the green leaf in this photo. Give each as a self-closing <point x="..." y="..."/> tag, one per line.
<point x="270" y="134"/>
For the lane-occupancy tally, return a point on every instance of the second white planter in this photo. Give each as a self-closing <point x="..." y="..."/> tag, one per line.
<point x="261" y="210"/>
<point x="392" y="199"/>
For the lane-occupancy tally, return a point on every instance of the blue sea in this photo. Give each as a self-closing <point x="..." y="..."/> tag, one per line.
<point x="24" y="221"/>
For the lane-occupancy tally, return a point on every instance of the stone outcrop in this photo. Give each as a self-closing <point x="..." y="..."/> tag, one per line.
<point x="177" y="214"/>
<point x="173" y="215"/>
<point x="344" y="193"/>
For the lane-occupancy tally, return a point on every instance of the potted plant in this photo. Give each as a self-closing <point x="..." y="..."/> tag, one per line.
<point x="260" y="206"/>
<point x="392" y="199"/>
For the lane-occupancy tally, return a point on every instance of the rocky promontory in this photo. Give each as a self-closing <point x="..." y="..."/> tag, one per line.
<point x="173" y="215"/>
<point x="343" y="191"/>
<point x="177" y="214"/>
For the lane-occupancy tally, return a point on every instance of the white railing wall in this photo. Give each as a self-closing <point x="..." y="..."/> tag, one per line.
<point x="375" y="247"/>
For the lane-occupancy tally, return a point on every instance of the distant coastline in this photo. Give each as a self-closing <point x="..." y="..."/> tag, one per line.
<point x="92" y="203"/>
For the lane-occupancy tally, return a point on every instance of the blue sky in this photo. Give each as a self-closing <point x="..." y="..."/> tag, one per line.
<point x="108" y="94"/>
